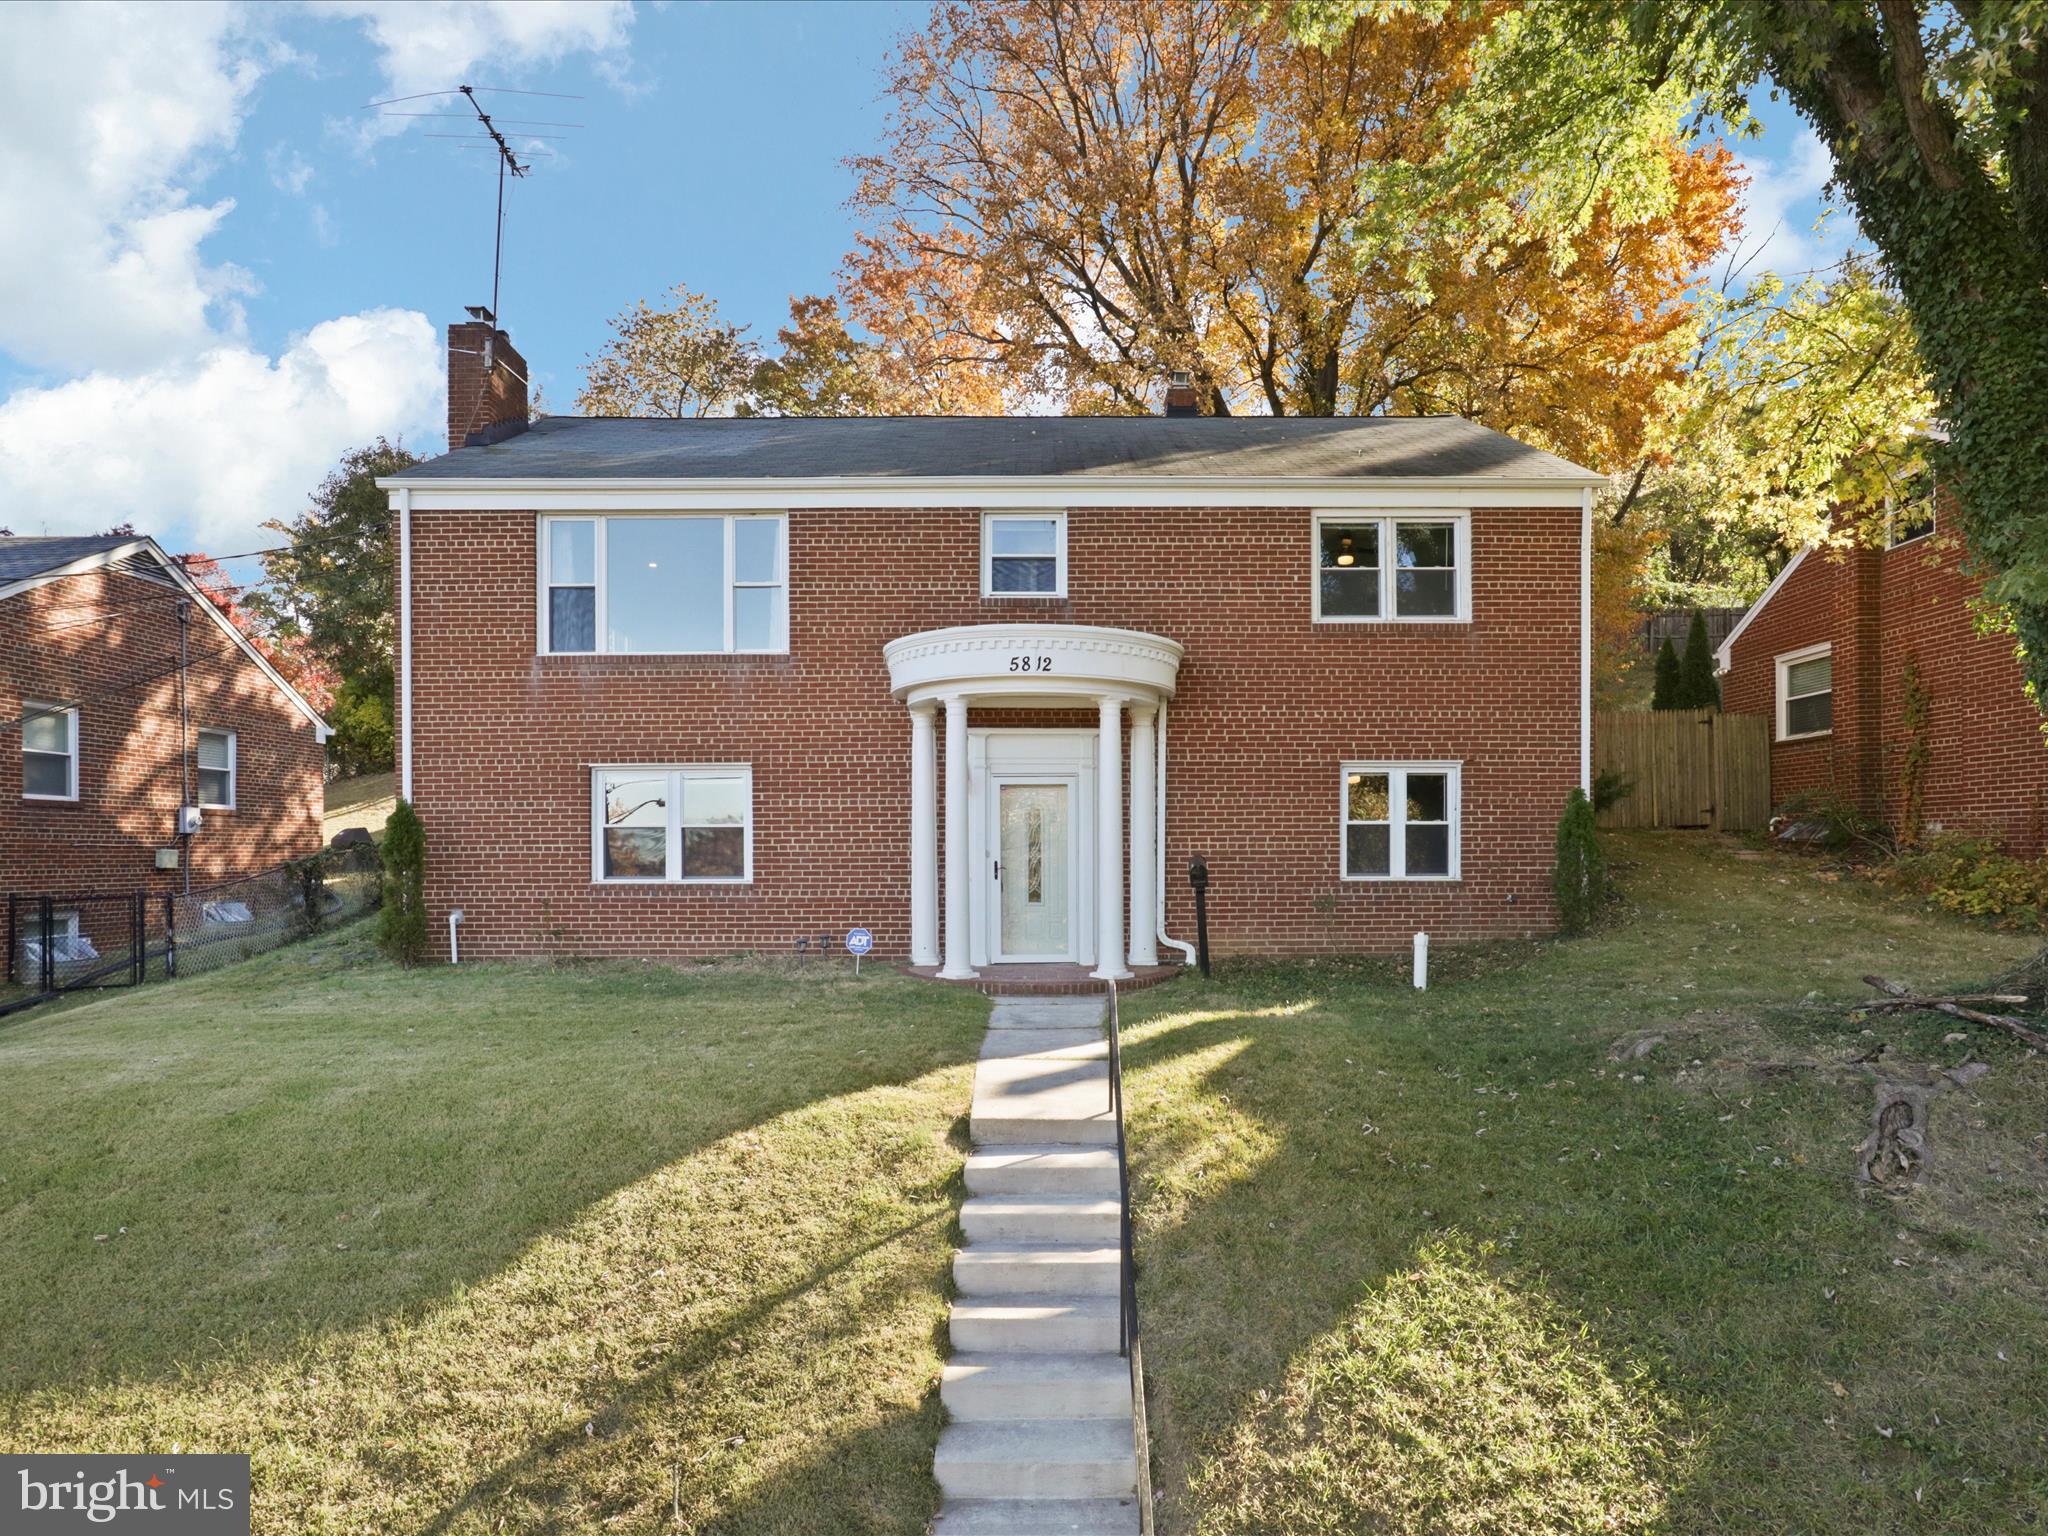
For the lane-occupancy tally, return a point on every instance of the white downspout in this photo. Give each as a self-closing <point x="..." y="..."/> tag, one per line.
<point x="1586" y="640"/>
<point x="405" y="643"/>
<point x="1159" y="837"/>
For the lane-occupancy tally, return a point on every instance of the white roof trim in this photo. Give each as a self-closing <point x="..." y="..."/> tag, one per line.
<point x="513" y="494"/>
<point x="183" y="580"/>
<point x="1724" y="653"/>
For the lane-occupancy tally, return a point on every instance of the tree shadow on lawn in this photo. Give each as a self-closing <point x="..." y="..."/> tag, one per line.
<point x="316" y="1142"/>
<point x="1433" y="1262"/>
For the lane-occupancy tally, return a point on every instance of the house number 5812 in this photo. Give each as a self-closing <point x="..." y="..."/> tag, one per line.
<point x="1030" y="663"/>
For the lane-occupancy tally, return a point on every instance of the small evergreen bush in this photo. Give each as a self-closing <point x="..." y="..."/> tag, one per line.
<point x="1665" y="694"/>
<point x="402" y="922"/>
<point x="1581" y="876"/>
<point x="1698" y="688"/>
<point x="1610" y="788"/>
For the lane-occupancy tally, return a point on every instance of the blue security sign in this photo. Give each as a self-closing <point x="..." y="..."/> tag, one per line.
<point x="859" y="941"/>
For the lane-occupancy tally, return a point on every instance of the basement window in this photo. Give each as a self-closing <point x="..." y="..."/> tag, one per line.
<point x="1400" y="821"/>
<point x="690" y="826"/>
<point x="49" y="751"/>
<point x="664" y="586"/>
<point x="1806" y="693"/>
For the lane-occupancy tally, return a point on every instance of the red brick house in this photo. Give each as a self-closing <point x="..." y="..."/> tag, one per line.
<point x="985" y="685"/>
<point x="117" y="730"/>
<point x="1825" y="652"/>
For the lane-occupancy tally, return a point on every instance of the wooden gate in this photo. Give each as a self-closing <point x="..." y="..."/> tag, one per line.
<point x="1691" y="768"/>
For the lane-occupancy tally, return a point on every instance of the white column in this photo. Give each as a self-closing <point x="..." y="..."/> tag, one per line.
<point x="1144" y="857"/>
<point x="957" y="966"/>
<point x="924" y="836"/>
<point x="1109" y="844"/>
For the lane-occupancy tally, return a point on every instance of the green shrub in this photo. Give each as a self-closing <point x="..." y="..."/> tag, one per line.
<point x="1837" y="823"/>
<point x="402" y="922"/>
<point x="1664" y="695"/>
<point x="1971" y="876"/>
<point x="1610" y="788"/>
<point x="1581" y="875"/>
<point x="1698" y="688"/>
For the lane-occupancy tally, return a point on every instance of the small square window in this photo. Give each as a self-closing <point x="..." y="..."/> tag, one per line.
<point x="1806" y="693"/>
<point x="1350" y="571"/>
<point x="1024" y="554"/>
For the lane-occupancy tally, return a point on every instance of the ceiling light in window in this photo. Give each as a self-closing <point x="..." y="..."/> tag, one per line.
<point x="1344" y="554"/>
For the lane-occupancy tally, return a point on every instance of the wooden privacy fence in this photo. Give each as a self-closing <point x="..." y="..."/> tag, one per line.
<point x="1691" y="768"/>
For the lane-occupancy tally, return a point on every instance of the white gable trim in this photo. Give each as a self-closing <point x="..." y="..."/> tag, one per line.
<point x="100" y="559"/>
<point x="1724" y="654"/>
<point x="485" y="494"/>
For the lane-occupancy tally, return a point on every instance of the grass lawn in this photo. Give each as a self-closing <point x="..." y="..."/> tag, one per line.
<point x="1436" y="1263"/>
<point x="498" y="1248"/>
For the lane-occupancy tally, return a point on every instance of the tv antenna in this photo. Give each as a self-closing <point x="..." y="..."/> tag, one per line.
<point x="515" y="163"/>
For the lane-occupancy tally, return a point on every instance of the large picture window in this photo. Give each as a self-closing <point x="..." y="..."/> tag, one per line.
<point x="674" y="825"/>
<point x="649" y="586"/>
<point x="1806" y="693"/>
<point x="1406" y="567"/>
<point x="1400" y="821"/>
<point x="49" y="751"/>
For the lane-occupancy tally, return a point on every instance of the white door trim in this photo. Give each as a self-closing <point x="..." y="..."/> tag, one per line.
<point x="1039" y="755"/>
<point x="1071" y="783"/>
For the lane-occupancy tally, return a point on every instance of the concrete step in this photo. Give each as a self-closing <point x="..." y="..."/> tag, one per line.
<point x="1048" y="1013"/>
<point x="1038" y="1517"/>
<point x="1050" y="1219"/>
<point x="1035" y="1325"/>
<point x="1037" y="1459"/>
<point x="1000" y="1386"/>
<point x="1042" y="1170"/>
<point x="1017" y="1269"/>
<point x="1042" y="1087"/>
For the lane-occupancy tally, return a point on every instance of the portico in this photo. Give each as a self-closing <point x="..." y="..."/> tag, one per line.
<point x="1035" y="848"/>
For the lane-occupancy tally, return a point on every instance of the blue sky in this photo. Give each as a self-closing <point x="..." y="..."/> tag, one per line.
<point x="218" y="270"/>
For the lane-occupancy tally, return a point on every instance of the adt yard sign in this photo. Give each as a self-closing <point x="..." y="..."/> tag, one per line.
<point x="858" y="942"/>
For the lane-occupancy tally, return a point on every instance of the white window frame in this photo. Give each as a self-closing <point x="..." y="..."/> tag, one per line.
<point x="1461" y="522"/>
<point x="199" y="772"/>
<point x="599" y="574"/>
<point x="1059" y="521"/>
<point x="1784" y="665"/>
<point x="70" y="714"/>
<point x="676" y="775"/>
<point x="1397" y="819"/>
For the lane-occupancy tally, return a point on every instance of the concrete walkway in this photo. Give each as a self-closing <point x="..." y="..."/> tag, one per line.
<point x="1040" y="1441"/>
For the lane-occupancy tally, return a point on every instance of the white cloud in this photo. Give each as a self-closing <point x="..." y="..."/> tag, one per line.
<point x="219" y="442"/>
<point x="1779" y="207"/>
<point x="105" y="113"/>
<point x="289" y="170"/>
<point x="436" y="45"/>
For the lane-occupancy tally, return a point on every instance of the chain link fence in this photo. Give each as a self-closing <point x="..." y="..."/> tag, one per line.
<point x="66" y="943"/>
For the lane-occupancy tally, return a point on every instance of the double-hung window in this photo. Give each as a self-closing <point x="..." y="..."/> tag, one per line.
<point x="1400" y="821"/>
<point x="650" y="586"/>
<point x="1910" y="516"/>
<point x="49" y="751"/>
<point x="1806" y="693"/>
<point x="1024" y="554"/>
<point x="1407" y="566"/>
<point x="672" y="825"/>
<point x="217" y="770"/>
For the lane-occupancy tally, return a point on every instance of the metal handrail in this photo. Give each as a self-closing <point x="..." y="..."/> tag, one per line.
<point x="1127" y="1288"/>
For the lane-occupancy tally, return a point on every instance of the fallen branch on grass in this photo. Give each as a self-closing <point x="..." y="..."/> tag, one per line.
<point x="1899" y="997"/>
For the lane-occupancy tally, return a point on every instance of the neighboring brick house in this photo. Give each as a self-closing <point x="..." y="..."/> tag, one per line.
<point x="1824" y="653"/>
<point x="984" y="685"/>
<point x="90" y="669"/>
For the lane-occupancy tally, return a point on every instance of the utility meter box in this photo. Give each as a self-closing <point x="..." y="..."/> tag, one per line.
<point x="188" y="818"/>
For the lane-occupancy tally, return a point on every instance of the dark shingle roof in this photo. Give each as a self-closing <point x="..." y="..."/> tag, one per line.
<point x="26" y="557"/>
<point x="919" y="447"/>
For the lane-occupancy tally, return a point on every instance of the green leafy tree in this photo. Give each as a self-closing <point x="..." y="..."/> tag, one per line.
<point x="1665" y="694"/>
<point x="1581" y="875"/>
<point x="1698" y="688"/>
<point x="678" y="360"/>
<point x="331" y="586"/>
<point x="402" y="921"/>
<point x="1936" y="116"/>
<point x="823" y="369"/>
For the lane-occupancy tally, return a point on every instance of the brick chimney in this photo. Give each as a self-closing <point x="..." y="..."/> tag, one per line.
<point x="486" y="385"/>
<point x="1181" y="399"/>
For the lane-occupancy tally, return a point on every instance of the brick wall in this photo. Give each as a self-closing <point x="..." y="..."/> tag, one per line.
<point x="1988" y="767"/>
<point x="1269" y="706"/>
<point x="109" y="643"/>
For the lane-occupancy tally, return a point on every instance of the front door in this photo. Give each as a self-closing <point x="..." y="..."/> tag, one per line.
<point x="1032" y="869"/>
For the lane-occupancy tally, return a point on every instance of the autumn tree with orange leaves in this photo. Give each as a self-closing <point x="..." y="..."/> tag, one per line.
<point x="1074" y="196"/>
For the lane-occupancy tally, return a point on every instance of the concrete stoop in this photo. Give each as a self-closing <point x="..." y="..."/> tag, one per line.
<point x="1040" y="1440"/>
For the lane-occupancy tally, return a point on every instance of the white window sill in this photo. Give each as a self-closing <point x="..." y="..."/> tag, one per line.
<point x="51" y="799"/>
<point x="1418" y="618"/>
<point x="1035" y="597"/>
<point x="1809" y="735"/>
<point x="650" y="655"/>
<point x="1401" y="879"/>
<point x="644" y="885"/>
